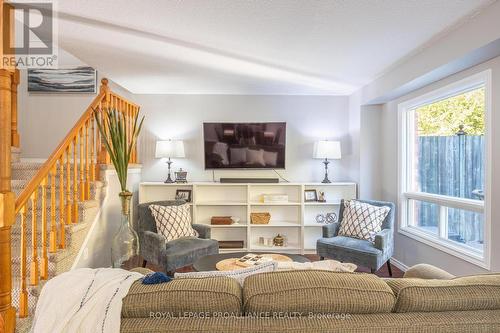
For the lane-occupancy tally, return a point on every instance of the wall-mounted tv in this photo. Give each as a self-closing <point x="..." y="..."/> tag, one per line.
<point x="244" y="145"/>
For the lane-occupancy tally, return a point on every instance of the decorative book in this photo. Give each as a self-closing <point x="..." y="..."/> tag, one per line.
<point x="252" y="260"/>
<point x="275" y="198"/>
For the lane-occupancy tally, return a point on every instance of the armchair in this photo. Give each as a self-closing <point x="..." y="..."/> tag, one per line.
<point x="358" y="251"/>
<point x="176" y="253"/>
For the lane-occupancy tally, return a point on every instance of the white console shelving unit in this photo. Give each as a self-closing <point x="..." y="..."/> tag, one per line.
<point x="295" y="219"/>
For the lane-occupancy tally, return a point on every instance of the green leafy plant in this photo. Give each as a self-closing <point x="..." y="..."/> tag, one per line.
<point x="119" y="144"/>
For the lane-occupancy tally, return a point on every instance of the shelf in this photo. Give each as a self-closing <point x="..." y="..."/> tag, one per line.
<point x="235" y="225"/>
<point x="315" y="224"/>
<point x="234" y="249"/>
<point x="276" y="224"/>
<point x="317" y="203"/>
<point x="275" y="204"/>
<point x="263" y="248"/>
<point x="220" y="203"/>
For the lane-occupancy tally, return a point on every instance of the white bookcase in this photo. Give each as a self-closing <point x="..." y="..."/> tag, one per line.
<point x="295" y="219"/>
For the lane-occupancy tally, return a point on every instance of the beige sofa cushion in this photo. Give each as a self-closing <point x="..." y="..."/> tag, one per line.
<point x="315" y="291"/>
<point x="183" y="297"/>
<point x="481" y="292"/>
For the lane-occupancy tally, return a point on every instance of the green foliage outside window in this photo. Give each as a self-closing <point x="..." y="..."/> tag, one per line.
<point x="444" y="117"/>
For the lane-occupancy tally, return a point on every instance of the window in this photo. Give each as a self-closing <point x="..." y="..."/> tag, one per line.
<point x="443" y="168"/>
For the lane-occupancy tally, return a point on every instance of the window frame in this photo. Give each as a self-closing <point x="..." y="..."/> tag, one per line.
<point x="406" y="155"/>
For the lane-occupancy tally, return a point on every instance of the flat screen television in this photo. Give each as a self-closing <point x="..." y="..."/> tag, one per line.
<point x="244" y="145"/>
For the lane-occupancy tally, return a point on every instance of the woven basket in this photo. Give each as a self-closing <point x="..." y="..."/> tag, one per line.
<point x="260" y="218"/>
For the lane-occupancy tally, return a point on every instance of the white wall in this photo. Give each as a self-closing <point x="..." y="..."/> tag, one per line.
<point x="44" y="119"/>
<point x="96" y="249"/>
<point x="408" y="250"/>
<point x="309" y="118"/>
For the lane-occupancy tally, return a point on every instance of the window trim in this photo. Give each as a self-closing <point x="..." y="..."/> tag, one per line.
<point x="404" y="195"/>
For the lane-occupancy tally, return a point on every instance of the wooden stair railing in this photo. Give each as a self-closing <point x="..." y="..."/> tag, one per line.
<point x="74" y="164"/>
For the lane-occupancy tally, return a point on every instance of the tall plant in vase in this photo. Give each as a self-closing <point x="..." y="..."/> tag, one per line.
<point x="120" y="144"/>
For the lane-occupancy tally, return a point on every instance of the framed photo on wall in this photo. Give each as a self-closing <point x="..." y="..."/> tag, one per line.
<point x="80" y="79"/>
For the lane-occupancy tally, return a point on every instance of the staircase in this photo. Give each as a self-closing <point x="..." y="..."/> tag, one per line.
<point x="74" y="234"/>
<point x="47" y="209"/>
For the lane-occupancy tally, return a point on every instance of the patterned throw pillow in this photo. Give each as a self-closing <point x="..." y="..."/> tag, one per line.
<point x="173" y="222"/>
<point x="239" y="274"/>
<point x="362" y="220"/>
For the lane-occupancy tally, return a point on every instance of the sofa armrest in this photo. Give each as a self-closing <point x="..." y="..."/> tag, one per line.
<point x="331" y="230"/>
<point x="153" y="246"/>
<point x="383" y="239"/>
<point x="425" y="271"/>
<point x="203" y="230"/>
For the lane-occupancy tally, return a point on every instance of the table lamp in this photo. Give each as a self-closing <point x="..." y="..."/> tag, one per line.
<point x="327" y="150"/>
<point x="169" y="149"/>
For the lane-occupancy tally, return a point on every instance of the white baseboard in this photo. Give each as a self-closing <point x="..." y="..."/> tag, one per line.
<point x="399" y="264"/>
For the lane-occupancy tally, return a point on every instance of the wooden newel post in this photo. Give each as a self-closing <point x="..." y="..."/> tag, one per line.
<point x="103" y="153"/>
<point x="14" y="84"/>
<point x="7" y="202"/>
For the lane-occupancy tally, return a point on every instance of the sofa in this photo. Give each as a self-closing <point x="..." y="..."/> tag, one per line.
<point x="426" y="299"/>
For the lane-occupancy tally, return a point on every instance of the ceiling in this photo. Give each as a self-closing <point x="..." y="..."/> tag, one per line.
<point x="253" y="47"/>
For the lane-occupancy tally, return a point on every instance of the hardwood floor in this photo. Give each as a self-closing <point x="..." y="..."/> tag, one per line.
<point x="382" y="272"/>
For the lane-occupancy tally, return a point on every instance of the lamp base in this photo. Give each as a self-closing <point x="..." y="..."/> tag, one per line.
<point x="326" y="180"/>
<point x="169" y="178"/>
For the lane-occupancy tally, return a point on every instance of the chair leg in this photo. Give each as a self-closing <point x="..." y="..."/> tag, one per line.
<point x="389" y="267"/>
<point x="372" y="270"/>
<point x="170" y="273"/>
<point x="321" y="258"/>
<point x="144" y="263"/>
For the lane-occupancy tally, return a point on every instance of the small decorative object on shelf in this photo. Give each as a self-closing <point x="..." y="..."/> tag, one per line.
<point x="328" y="218"/>
<point x="310" y="196"/>
<point x="235" y="219"/>
<point x="221" y="220"/>
<point x="260" y="218"/>
<point x="279" y="240"/>
<point x="183" y="195"/>
<point x="181" y="176"/>
<point x="321" y="196"/>
<point x="320" y="218"/>
<point x="274" y="198"/>
<point x="331" y="218"/>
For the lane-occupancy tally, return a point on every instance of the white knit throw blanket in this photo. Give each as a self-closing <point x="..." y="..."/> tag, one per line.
<point x="327" y="265"/>
<point x="83" y="300"/>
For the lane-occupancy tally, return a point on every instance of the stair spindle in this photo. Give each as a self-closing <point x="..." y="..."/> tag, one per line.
<point x="68" y="188"/>
<point x="23" y="297"/>
<point x="34" y="271"/>
<point x="92" y="148"/>
<point x="75" y="184"/>
<point x="62" y="213"/>
<point x="53" y="228"/>
<point x="82" y="164"/>
<point x="87" y="166"/>
<point x="44" y="263"/>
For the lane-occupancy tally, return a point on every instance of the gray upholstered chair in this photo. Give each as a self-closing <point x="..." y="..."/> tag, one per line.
<point x="358" y="251"/>
<point x="174" y="254"/>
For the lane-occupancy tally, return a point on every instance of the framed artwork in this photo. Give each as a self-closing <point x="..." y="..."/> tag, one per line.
<point x="310" y="195"/>
<point x="183" y="195"/>
<point x="82" y="79"/>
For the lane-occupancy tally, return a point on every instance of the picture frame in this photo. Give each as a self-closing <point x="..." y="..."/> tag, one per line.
<point x="310" y="195"/>
<point x="183" y="195"/>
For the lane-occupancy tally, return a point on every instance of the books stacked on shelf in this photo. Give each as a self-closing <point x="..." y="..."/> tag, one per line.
<point x="274" y="198"/>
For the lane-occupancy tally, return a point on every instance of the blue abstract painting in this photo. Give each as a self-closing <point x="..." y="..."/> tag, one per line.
<point x="82" y="79"/>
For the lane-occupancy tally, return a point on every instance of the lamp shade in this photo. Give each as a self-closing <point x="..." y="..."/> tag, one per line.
<point x="170" y="149"/>
<point x="327" y="149"/>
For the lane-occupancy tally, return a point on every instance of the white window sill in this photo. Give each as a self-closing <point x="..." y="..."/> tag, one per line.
<point x="474" y="257"/>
